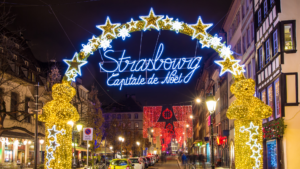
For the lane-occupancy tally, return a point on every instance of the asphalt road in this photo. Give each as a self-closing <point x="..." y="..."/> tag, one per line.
<point x="170" y="164"/>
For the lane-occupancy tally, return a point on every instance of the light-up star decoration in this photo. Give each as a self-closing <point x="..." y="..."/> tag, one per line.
<point x="167" y="20"/>
<point x="227" y="65"/>
<point x="200" y="28"/>
<point x="95" y="41"/>
<point x="53" y="132"/>
<point x="239" y="69"/>
<point x="205" y="42"/>
<point x="132" y="24"/>
<point x="108" y="28"/>
<point x="177" y="26"/>
<point x="74" y="66"/>
<point x="123" y="32"/>
<point x="151" y="21"/>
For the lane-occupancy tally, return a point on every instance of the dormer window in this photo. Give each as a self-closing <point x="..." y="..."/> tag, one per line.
<point x="15" y="57"/>
<point x="26" y="63"/>
<point x="38" y="69"/>
<point x="17" y="45"/>
<point x="1" y="50"/>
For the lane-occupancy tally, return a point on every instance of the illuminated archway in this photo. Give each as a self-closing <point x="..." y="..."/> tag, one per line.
<point x="247" y="110"/>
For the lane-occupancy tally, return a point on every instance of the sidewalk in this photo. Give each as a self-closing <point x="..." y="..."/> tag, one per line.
<point x="208" y="166"/>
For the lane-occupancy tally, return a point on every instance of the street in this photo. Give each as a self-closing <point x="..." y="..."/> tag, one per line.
<point x="170" y="164"/>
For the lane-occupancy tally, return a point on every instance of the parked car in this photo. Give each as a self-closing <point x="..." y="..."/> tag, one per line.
<point x="151" y="162"/>
<point x="138" y="162"/>
<point x="121" y="164"/>
<point x="146" y="162"/>
<point x="153" y="158"/>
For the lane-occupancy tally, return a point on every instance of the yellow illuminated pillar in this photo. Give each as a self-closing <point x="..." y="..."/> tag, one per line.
<point x="57" y="113"/>
<point x="248" y="112"/>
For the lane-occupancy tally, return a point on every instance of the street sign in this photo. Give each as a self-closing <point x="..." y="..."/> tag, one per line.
<point x="32" y="111"/>
<point x="32" y="108"/>
<point x="87" y="134"/>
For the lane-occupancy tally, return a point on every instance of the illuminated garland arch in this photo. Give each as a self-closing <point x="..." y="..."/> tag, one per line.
<point x="246" y="109"/>
<point x="112" y="31"/>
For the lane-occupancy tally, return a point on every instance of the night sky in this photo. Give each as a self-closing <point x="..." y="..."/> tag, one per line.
<point x="79" y="19"/>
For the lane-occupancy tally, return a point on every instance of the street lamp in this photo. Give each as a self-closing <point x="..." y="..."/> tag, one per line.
<point x="41" y="141"/>
<point x="71" y="123"/>
<point x="198" y="100"/>
<point x="79" y="126"/>
<point x="211" y="106"/>
<point x="121" y="139"/>
<point x="138" y="143"/>
<point x="191" y="117"/>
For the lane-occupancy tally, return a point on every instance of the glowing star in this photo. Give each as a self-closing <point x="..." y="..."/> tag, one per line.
<point x="124" y="32"/>
<point x="205" y="42"/>
<point x="151" y="21"/>
<point x="199" y="28"/>
<point x="252" y="129"/>
<point x="227" y="65"/>
<point x="215" y="41"/>
<point x="87" y="49"/>
<point x="256" y="155"/>
<point x="53" y="132"/>
<point x="74" y="64"/>
<point x="94" y="41"/>
<point x="252" y="143"/>
<point x="105" y="43"/>
<point x="132" y="24"/>
<point x="226" y="52"/>
<point x="108" y="28"/>
<point x="167" y="20"/>
<point x="239" y="69"/>
<point x="72" y="74"/>
<point x="50" y="156"/>
<point x="54" y="145"/>
<point x="177" y="26"/>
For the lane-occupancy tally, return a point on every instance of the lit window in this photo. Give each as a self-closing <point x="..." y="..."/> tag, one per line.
<point x="136" y="125"/>
<point x="259" y="16"/>
<point x="249" y="70"/>
<point x="270" y="100"/>
<point x="275" y="42"/>
<point x="26" y="63"/>
<point x="260" y="58"/>
<point x="268" y="56"/>
<point x="15" y="57"/>
<point x="272" y="154"/>
<point x="277" y="99"/>
<point x="289" y="37"/>
<point x="264" y="99"/>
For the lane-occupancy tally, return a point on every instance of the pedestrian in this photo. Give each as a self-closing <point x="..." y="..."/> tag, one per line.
<point x="183" y="158"/>
<point x="202" y="159"/>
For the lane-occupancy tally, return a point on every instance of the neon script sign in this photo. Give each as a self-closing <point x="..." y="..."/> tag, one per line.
<point x="172" y="65"/>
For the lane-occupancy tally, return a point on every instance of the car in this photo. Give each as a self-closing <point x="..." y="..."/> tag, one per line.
<point x="138" y="162"/>
<point x="146" y="162"/>
<point x="121" y="164"/>
<point x="153" y="158"/>
<point x="150" y="161"/>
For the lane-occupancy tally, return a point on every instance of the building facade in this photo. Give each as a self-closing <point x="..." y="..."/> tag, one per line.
<point x="277" y="69"/>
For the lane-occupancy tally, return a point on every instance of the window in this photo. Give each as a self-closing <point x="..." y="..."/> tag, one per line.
<point x="26" y="63"/>
<point x="17" y="70"/>
<point x="136" y="116"/>
<point x="119" y="116"/>
<point x="265" y="8"/>
<point x="277" y="99"/>
<point x="123" y="116"/>
<point x="253" y="68"/>
<point x="264" y="99"/>
<point x="243" y="11"/>
<point x="136" y="125"/>
<point x="14" y="104"/>
<point x="238" y="47"/>
<point x="33" y="79"/>
<point x="29" y="75"/>
<point x="272" y="154"/>
<point x="28" y="119"/>
<point x="124" y="125"/>
<point x="17" y="45"/>
<point x="271" y="100"/>
<point x="129" y="116"/>
<point x="114" y="116"/>
<point x="107" y="117"/>
<point x="129" y="125"/>
<point x="249" y="36"/>
<point x="249" y="70"/>
<point x="267" y="46"/>
<point x="289" y="37"/>
<point x="275" y="42"/>
<point x="38" y="69"/>
<point x="244" y="43"/>
<point x="259" y="16"/>
<point x="271" y="3"/>
<point x="260" y="58"/>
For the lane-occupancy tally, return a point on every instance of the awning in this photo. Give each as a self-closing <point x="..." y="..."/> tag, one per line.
<point x="12" y="134"/>
<point x="80" y="148"/>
